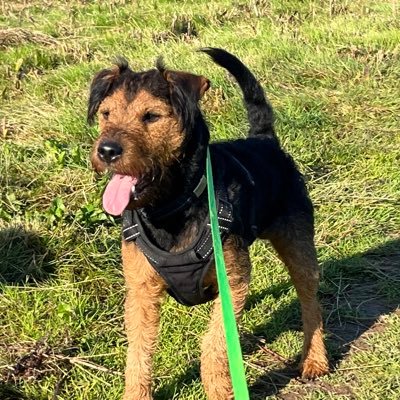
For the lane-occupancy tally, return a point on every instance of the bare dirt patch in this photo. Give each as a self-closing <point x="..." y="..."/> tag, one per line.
<point x="17" y="36"/>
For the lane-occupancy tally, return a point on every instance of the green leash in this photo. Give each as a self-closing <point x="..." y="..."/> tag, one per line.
<point x="234" y="351"/>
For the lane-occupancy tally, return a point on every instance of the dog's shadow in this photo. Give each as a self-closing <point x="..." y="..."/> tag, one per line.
<point x="9" y="392"/>
<point x="171" y="389"/>
<point x="24" y="257"/>
<point x="351" y="307"/>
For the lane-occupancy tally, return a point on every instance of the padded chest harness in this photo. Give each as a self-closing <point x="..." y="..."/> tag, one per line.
<point x="183" y="271"/>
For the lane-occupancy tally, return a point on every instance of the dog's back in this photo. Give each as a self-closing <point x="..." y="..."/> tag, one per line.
<point x="258" y="161"/>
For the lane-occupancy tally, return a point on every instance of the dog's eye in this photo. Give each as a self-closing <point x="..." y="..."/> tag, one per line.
<point x="105" y="114"/>
<point x="150" y="117"/>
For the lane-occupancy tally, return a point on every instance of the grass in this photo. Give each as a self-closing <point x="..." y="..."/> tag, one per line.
<point x="331" y="70"/>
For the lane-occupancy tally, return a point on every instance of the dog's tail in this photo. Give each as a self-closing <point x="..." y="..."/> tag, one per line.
<point x="259" y="111"/>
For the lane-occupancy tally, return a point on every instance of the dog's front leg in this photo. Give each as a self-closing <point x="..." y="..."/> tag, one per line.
<point x="145" y="291"/>
<point x="214" y="362"/>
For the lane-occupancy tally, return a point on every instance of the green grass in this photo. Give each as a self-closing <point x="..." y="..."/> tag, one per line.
<point x="331" y="70"/>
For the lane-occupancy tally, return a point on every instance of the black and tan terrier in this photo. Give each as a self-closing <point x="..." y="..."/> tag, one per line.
<point x="154" y="140"/>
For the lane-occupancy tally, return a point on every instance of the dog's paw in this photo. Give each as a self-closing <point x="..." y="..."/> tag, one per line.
<point x="311" y="369"/>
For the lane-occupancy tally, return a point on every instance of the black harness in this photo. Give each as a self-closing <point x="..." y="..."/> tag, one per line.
<point x="184" y="271"/>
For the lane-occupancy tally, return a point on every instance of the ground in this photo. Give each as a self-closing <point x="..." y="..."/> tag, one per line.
<point x="331" y="70"/>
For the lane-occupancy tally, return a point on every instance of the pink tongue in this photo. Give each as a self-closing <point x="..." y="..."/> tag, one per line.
<point x="117" y="195"/>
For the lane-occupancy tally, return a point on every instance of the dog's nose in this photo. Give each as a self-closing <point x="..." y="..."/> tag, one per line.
<point x="109" y="151"/>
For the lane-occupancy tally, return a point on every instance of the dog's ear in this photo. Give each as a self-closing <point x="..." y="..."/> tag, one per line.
<point x="194" y="86"/>
<point x="101" y="87"/>
<point x="185" y="92"/>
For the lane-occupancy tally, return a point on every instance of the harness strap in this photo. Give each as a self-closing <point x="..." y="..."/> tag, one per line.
<point x="225" y="221"/>
<point x="181" y="203"/>
<point x="184" y="272"/>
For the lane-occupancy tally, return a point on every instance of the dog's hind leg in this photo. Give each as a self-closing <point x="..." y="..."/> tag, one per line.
<point x="295" y="245"/>
<point x="145" y="291"/>
<point x="214" y="362"/>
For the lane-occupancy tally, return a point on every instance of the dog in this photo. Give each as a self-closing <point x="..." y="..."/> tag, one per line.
<point x="153" y="139"/>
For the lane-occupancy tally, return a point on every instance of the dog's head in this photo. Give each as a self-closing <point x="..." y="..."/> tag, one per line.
<point x="145" y="119"/>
